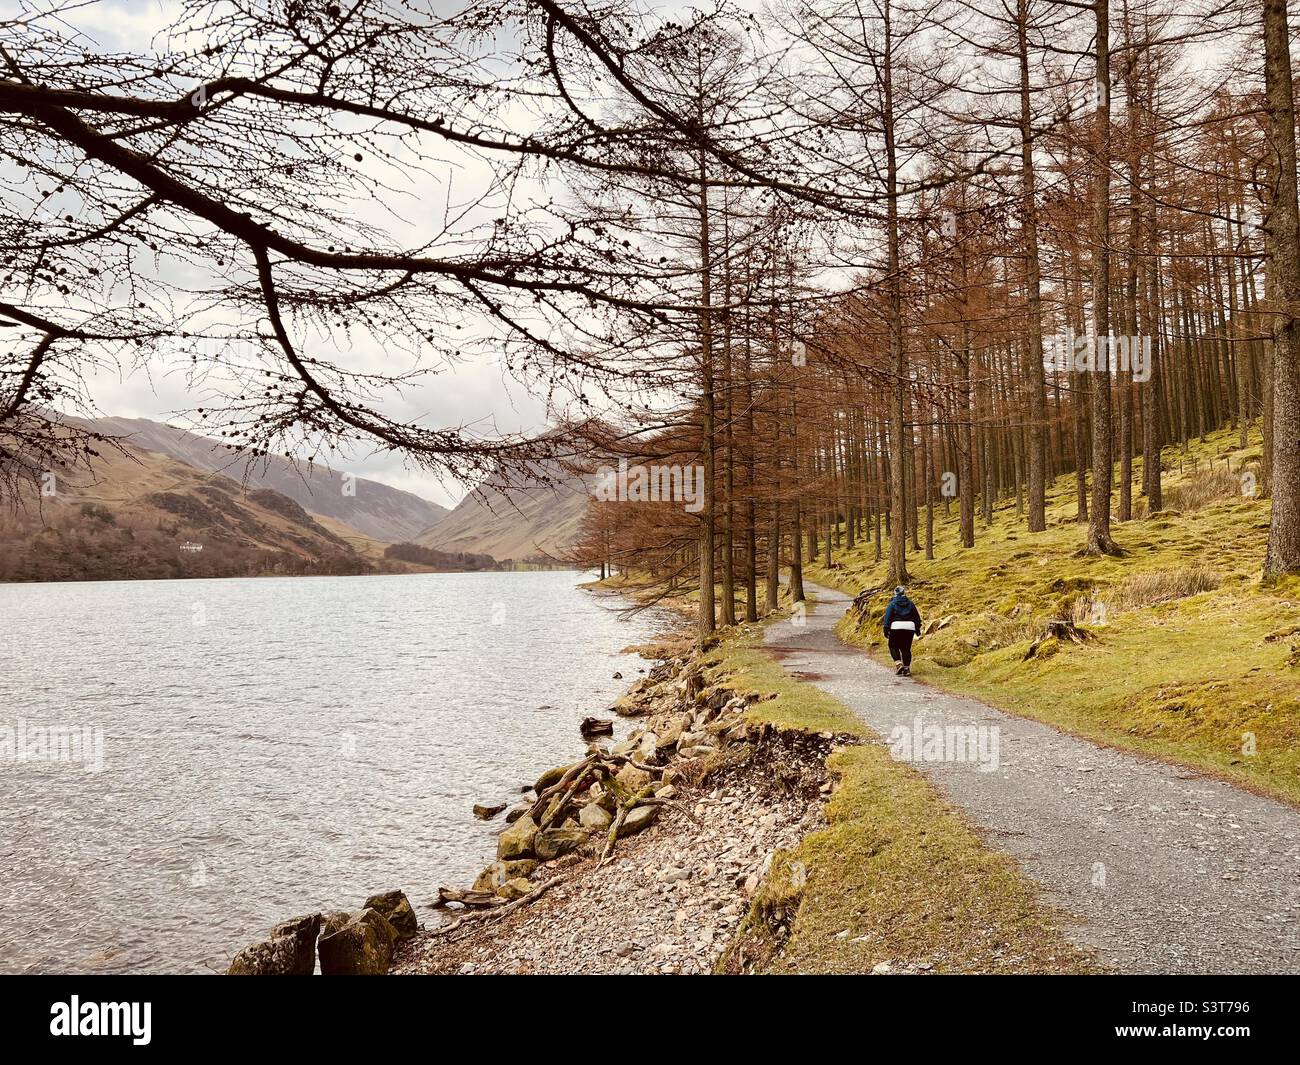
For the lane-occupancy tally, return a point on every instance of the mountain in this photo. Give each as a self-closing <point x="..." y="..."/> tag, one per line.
<point x="376" y="510"/>
<point x="146" y="515"/>
<point x="530" y="523"/>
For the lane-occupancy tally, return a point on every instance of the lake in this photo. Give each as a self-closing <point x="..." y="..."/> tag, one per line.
<point x="235" y="752"/>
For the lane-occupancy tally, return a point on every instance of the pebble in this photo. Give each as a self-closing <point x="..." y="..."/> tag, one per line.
<point x="669" y="904"/>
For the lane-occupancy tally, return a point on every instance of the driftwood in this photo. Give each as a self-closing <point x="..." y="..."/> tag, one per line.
<point x="495" y="912"/>
<point x="574" y="771"/>
<point x="624" y="809"/>
<point x="471" y="898"/>
<point x="596" y="726"/>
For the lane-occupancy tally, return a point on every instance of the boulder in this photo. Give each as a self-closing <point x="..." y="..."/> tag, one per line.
<point x="486" y="813"/>
<point x="637" y="819"/>
<point x="697" y="739"/>
<point x="396" y="909"/>
<point x="697" y="751"/>
<point x="517" y="812"/>
<point x="498" y="873"/>
<point x="671" y="731"/>
<point x="628" y="706"/>
<point x="648" y="747"/>
<point x="269" y="957"/>
<point x="594" y="817"/>
<point x="517" y="840"/>
<point x="333" y="921"/>
<point x="361" y="947"/>
<point x="631" y="779"/>
<point x="291" y="950"/>
<point x="515" y="889"/>
<point x="303" y="931"/>
<point x="550" y="777"/>
<point x="551" y="843"/>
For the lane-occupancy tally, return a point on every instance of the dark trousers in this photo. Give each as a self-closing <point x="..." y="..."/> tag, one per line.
<point x="900" y="646"/>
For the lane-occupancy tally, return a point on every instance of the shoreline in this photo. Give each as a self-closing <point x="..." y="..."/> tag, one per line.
<point x="732" y="797"/>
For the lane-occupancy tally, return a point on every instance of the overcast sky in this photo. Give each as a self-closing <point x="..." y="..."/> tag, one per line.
<point x="475" y="392"/>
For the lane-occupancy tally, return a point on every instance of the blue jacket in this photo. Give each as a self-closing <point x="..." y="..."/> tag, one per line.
<point x="901" y="609"/>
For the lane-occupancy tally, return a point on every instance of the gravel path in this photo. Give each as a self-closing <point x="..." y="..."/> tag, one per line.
<point x="1166" y="870"/>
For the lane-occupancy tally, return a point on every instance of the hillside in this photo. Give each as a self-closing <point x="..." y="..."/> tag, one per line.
<point x="130" y="519"/>
<point x="536" y="523"/>
<point x="1174" y="649"/>
<point x="374" y="509"/>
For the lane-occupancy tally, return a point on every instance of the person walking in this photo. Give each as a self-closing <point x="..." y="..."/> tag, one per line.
<point x="902" y="624"/>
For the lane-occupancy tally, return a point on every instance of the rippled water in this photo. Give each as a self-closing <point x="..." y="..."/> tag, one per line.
<point x="272" y="747"/>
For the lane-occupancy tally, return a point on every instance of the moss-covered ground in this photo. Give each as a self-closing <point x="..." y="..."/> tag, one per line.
<point x="1185" y="655"/>
<point x="898" y="877"/>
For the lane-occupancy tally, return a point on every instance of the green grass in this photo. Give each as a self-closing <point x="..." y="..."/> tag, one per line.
<point x="898" y="876"/>
<point x="1202" y="679"/>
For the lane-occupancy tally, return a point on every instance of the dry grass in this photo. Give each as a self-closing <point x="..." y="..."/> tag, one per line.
<point x="1143" y="590"/>
<point x="1200" y="489"/>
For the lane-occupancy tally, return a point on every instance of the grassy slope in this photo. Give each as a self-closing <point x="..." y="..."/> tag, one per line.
<point x="898" y="876"/>
<point x="1182" y="680"/>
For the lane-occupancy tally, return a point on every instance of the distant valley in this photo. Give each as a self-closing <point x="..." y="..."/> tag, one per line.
<point x="178" y="504"/>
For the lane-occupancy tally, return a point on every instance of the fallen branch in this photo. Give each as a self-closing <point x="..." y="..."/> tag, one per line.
<point x="578" y="767"/>
<point x="482" y="899"/>
<point x="624" y="809"/>
<point x="499" y="911"/>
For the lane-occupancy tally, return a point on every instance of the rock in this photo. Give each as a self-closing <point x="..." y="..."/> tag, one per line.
<point x="672" y="874"/>
<point x="486" y="813"/>
<point x="623" y="748"/>
<point x="696" y="752"/>
<point x="648" y="747"/>
<point x="641" y="817"/>
<point x="498" y="873"/>
<point x="668" y="791"/>
<point x="882" y="969"/>
<point x="333" y="921"/>
<point x="596" y="726"/>
<point x="551" y="843"/>
<point x="594" y="817"/>
<point x="618" y="676"/>
<point x="672" y="729"/>
<point x="269" y="957"/>
<point x="361" y="947"/>
<point x="303" y="931"/>
<point x="517" y="840"/>
<point x="517" y="812"/>
<point x="515" y="889"/>
<point x="697" y="739"/>
<point x="491" y="878"/>
<point x="396" y="909"/>
<point x="291" y="950"/>
<point x="627" y="706"/>
<point x="550" y="777"/>
<point x="631" y="779"/>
